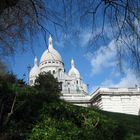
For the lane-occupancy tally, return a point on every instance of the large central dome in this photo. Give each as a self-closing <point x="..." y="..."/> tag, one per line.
<point x="50" y="54"/>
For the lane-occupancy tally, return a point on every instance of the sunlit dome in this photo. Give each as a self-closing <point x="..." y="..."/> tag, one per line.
<point x="73" y="72"/>
<point x="50" y="54"/>
<point x="35" y="69"/>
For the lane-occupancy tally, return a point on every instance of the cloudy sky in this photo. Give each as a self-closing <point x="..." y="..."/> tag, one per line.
<point x="97" y="65"/>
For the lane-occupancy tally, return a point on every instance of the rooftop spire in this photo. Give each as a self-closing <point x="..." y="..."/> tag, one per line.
<point x="72" y="63"/>
<point x="35" y="61"/>
<point x="50" y="45"/>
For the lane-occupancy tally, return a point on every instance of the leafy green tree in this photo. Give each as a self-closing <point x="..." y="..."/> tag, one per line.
<point x="63" y="121"/>
<point x="37" y="114"/>
<point x="48" y="85"/>
<point x="7" y="98"/>
<point x="11" y="91"/>
<point x="20" y="104"/>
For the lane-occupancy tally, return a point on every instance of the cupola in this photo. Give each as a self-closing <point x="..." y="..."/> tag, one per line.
<point x="35" y="69"/>
<point x="73" y="72"/>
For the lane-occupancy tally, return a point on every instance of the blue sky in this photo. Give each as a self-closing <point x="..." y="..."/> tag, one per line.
<point x="97" y="66"/>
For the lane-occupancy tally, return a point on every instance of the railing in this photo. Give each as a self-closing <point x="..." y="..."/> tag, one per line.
<point x="114" y="90"/>
<point x="82" y="96"/>
<point x="119" y="89"/>
<point x="76" y="98"/>
<point x="74" y="92"/>
<point x="74" y="95"/>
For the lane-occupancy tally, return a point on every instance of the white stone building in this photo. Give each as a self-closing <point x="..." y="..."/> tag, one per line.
<point x="122" y="100"/>
<point x="52" y="62"/>
<point x="74" y="90"/>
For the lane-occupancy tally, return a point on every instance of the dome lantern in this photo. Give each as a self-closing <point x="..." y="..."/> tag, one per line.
<point x="50" y="44"/>
<point x="35" y="69"/>
<point x="73" y="72"/>
<point x="50" y="54"/>
<point x="72" y="63"/>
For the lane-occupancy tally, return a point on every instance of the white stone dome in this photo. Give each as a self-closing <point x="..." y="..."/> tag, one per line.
<point x="73" y="72"/>
<point x="35" y="69"/>
<point x="50" y="54"/>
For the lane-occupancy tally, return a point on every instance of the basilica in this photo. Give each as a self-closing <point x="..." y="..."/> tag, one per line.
<point x="74" y="90"/>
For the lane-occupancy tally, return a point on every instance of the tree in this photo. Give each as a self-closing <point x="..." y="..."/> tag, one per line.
<point x="22" y="19"/>
<point x="8" y="97"/>
<point x="48" y="85"/>
<point x="20" y="104"/>
<point x="110" y="19"/>
<point x="3" y="68"/>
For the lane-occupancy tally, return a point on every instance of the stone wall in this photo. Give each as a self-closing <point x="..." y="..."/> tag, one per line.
<point x="122" y="100"/>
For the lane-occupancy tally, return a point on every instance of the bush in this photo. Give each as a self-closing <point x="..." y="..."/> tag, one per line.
<point x="62" y="121"/>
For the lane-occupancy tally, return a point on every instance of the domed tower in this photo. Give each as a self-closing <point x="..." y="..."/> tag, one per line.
<point x="75" y="75"/>
<point x="73" y="72"/>
<point x="33" y="72"/>
<point x="51" y="60"/>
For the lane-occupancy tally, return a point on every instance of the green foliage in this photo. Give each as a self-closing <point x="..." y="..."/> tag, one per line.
<point x="7" y="95"/>
<point x="48" y="85"/>
<point x="130" y="122"/>
<point x="133" y="137"/>
<point x="67" y="122"/>
<point x="38" y="114"/>
<point x="12" y="99"/>
<point x="26" y="101"/>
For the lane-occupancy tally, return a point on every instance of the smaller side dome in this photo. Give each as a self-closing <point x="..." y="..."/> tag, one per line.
<point x="35" y="69"/>
<point x="73" y="72"/>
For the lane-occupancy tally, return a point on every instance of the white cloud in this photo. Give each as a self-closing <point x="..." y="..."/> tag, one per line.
<point x="103" y="58"/>
<point x="84" y="38"/>
<point x="129" y="80"/>
<point x="87" y="35"/>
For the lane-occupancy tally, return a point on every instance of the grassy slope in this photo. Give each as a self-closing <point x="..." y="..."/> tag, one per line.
<point x="63" y="121"/>
<point x="130" y="122"/>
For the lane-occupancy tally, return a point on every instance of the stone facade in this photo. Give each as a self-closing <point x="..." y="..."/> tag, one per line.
<point x="122" y="100"/>
<point x="51" y="61"/>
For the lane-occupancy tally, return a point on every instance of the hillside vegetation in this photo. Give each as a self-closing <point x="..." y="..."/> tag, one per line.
<point x="63" y="121"/>
<point x="36" y="113"/>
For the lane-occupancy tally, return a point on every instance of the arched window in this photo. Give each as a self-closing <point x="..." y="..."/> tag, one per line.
<point x="59" y="72"/>
<point x="77" y="81"/>
<point x="53" y="71"/>
<point x="68" y="90"/>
